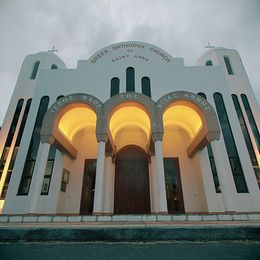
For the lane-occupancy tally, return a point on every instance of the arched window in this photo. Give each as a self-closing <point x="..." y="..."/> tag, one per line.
<point x="35" y="69"/>
<point x="247" y="138"/>
<point x="212" y="160"/>
<point x="114" y="90"/>
<point x="231" y="148"/>
<point x="54" y="67"/>
<point x="33" y="148"/>
<point x="10" y="135"/>
<point x="16" y="149"/>
<point x="251" y="120"/>
<point x="208" y="63"/>
<point x="228" y="65"/>
<point x="130" y="79"/>
<point x="146" y="86"/>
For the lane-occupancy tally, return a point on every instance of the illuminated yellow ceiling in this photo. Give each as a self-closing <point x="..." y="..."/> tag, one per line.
<point x="184" y="117"/>
<point x="129" y="117"/>
<point x="76" y="119"/>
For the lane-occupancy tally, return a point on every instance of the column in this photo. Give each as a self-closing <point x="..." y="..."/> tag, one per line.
<point x="38" y="176"/>
<point x="160" y="177"/>
<point x="98" y="202"/>
<point x="226" y="185"/>
<point x="108" y="195"/>
<point x="154" y="186"/>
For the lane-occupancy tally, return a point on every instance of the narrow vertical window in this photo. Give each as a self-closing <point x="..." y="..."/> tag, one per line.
<point x="54" y="67"/>
<point x="10" y="135"/>
<point x="212" y="160"/>
<point x="130" y="79"/>
<point x="146" y="86"/>
<point x="114" y="90"/>
<point x="49" y="167"/>
<point x="247" y="139"/>
<point x="33" y="149"/>
<point x="16" y="149"/>
<point x="208" y="63"/>
<point x="35" y="70"/>
<point x="251" y="120"/>
<point x="228" y="66"/>
<point x="233" y="157"/>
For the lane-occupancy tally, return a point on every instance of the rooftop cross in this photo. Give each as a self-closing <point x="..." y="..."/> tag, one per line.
<point x="52" y="50"/>
<point x="209" y="46"/>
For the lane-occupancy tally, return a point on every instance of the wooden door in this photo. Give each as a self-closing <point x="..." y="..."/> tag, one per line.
<point x="173" y="185"/>
<point x="88" y="188"/>
<point x="132" y="193"/>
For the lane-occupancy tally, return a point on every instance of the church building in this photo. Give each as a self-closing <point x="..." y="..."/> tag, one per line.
<point x="131" y="130"/>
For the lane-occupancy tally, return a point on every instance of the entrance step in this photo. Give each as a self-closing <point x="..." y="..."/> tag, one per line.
<point x="184" y="218"/>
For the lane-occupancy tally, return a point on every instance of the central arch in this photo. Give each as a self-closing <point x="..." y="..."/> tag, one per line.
<point x="132" y="193"/>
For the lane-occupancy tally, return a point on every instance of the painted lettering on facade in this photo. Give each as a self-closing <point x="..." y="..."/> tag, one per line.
<point x="167" y="99"/>
<point x="139" y="51"/>
<point x="90" y="100"/>
<point x="129" y="95"/>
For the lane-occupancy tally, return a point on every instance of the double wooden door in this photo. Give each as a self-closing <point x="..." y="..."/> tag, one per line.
<point x="132" y="193"/>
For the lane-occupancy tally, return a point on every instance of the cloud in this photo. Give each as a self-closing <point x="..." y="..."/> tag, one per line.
<point x="79" y="28"/>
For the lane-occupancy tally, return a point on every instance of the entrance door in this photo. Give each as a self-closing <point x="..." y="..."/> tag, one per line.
<point x="132" y="193"/>
<point x="173" y="185"/>
<point x="88" y="188"/>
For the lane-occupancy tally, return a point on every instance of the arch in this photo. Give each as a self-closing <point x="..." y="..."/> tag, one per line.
<point x="50" y="132"/>
<point x="114" y="86"/>
<point x="145" y="103"/>
<point x="210" y="128"/>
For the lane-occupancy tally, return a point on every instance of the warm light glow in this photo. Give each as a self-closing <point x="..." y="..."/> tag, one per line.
<point x="130" y="125"/>
<point x="76" y="119"/>
<point x="184" y="117"/>
<point x="2" y="202"/>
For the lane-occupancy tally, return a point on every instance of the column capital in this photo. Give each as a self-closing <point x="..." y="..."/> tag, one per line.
<point x="101" y="137"/>
<point x="157" y="136"/>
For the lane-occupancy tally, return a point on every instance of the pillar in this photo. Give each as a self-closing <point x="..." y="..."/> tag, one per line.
<point x="98" y="201"/>
<point x="154" y="187"/>
<point x="38" y="176"/>
<point x="108" y="195"/>
<point x="160" y="177"/>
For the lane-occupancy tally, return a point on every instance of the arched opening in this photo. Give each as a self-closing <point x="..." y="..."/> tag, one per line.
<point x="182" y="125"/>
<point x="131" y="181"/>
<point x="130" y="128"/>
<point x="130" y="124"/>
<point x="77" y="126"/>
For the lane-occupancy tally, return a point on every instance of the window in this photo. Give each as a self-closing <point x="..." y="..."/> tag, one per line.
<point x="146" y="87"/>
<point x="16" y="149"/>
<point x="212" y="160"/>
<point x="65" y="180"/>
<point x="251" y="120"/>
<point x="208" y="63"/>
<point x="10" y="135"/>
<point x="54" y="67"/>
<point x="247" y="139"/>
<point x="130" y="79"/>
<point x="228" y="66"/>
<point x="114" y="90"/>
<point x="35" y="70"/>
<point x="33" y="149"/>
<point x="234" y="160"/>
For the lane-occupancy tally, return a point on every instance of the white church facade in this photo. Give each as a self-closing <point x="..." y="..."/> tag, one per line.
<point x="131" y="130"/>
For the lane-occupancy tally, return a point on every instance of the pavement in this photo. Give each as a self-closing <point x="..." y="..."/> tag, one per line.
<point x="131" y="231"/>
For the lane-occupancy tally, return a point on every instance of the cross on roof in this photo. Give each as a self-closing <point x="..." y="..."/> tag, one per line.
<point x="52" y="50"/>
<point x="209" y="46"/>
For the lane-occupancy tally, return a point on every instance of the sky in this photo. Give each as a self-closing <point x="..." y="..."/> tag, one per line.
<point x="79" y="28"/>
